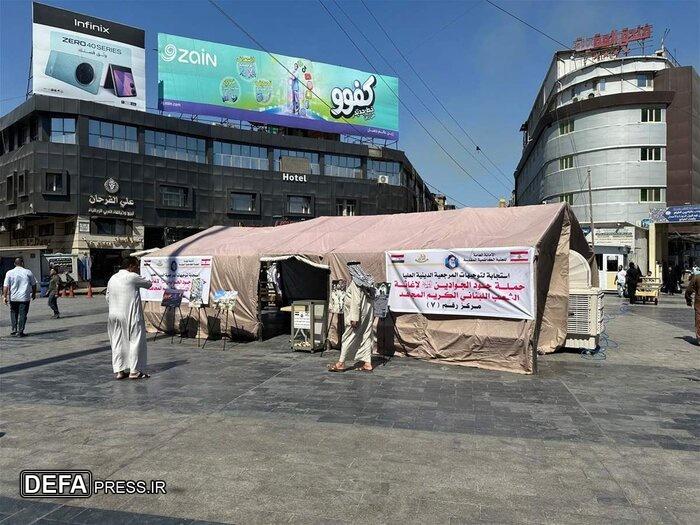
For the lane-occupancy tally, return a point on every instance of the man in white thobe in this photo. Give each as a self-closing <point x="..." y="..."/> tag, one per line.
<point x="125" y="324"/>
<point x="359" y="337"/>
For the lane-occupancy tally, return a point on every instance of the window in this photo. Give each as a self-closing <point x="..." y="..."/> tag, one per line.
<point x="601" y="84"/>
<point x="34" y="129"/>
<point x="313" y="158"/>
<point x="651" y="114"/>
<point x="577" y="90"/>
<point x="389" y="171"/>
<point x="566" y="163"/>
<point x="651" y="153"/>
<point x="566" y="126"/>
<point x="69" y="228"/>
<point x="174" y="196"/>
<point x="240" y="156"/>
<point x="611" y="263"/>
<point x="346" y="207"/>
<point x="567" y="198"/>
<point x="111" y="227"/>
<point x="54" y="183"/>
<point x="243" y="202"/>
<point x="174" y="146"/>
<point x="650" y="195"/>
<point x="113" y="136"/>
<point x="342" y="166"/>
<point x="643" y="80"/>
<point x="45" y="230"/>
<point x="62" y="130"/>
<point x="10" y="188"/>
<point x="22" y="135"/>
<point x="299" y="204"/>
<point x="21" y="184"/>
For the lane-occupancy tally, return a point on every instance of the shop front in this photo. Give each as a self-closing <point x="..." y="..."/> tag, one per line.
<point x="616" y="245"/>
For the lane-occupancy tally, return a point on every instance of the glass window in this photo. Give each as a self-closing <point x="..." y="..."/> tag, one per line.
<point x="601" y="84"/>
<point x="651" y="114"/>
<point x="62" y="130"/>
<point x="345" y="207"/>
<point x="313" y="158"/>
<point x="54" y="182"/>
<point x="10" y="188"/>
<point x="567" y="198"/>
<point x="566" y="126"/>
<point x="21" y="184"/>
<point x="566" y="163"/>
<point x="112" y="136"/>
<point x="643" y="80"/>
<point x="299" y="204"/>
<point x="44" y="230"/>
<point x="69" y="228"/>
<point x="342" y="166"/>
<point x="111" y="227"/>
<point x="650" y="195"/>
<point x="611" y="264"/>
<point x="173" y="196"/>
<point x="243" y="202"/>
<point x="385" y="171"/>
<point x="174" y="146"/>
<point x="240" y="156"/>
<point x="650" y="153"/>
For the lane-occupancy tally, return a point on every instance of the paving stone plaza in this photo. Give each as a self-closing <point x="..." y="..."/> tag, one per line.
<point x="258" y="434"/>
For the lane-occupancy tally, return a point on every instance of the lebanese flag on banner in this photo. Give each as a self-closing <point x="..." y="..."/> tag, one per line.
<point x="519" y="256"/>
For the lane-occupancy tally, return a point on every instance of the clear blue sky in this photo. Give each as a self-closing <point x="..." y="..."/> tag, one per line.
<point x="485" y="66"/>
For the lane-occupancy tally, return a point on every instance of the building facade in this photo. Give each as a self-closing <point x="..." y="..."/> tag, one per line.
<point x="89" y="181"/>
<point x="626" y="123"/>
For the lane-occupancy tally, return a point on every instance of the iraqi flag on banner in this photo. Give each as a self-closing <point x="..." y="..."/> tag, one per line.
<point x="519" y="256"/>
<point x="396" y="257"/>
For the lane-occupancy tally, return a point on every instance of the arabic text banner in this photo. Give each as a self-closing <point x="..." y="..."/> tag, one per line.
<point x="191" y="275"/>
<point x="205" y="78"/>
<point x="87" y="58"/>
<point x="490" y="282"/>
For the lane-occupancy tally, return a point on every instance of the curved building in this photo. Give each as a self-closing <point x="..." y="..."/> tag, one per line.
<point x="626" y="123"/>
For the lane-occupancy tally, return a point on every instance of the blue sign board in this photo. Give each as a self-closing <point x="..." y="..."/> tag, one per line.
<point x="689" y="213"/>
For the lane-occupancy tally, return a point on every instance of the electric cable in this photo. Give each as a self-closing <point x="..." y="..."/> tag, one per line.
<point x="257" y="42"/>
<point x="430" y="90"/>
<point x="406" y="107"/>
<point x="410" y="89"/>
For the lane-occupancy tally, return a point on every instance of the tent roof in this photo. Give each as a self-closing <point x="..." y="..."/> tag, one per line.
<point x="463" y="228"/>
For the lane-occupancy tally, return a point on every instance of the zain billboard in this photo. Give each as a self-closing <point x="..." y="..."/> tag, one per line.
<point x="205" y="78"/>
<point x="87" y="58"/>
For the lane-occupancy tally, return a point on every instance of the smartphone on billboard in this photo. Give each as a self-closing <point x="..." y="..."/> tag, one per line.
<point x="121" y="80"/>
<point x="75" y="70"/>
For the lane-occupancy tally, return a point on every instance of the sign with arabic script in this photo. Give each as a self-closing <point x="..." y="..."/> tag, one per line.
<point x="483" y="282"/>
<point x="191" y="275"/>
<point x="110" y="205"/>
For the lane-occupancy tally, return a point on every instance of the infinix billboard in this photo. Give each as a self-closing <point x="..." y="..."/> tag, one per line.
<point x="83" y="57"/>
<point x="205" y="78"/>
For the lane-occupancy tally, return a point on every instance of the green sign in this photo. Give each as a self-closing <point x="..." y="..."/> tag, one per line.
<point x="205" y="78"/>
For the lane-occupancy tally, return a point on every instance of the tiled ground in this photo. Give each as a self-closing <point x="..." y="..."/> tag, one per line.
<point x="260" y="434"/>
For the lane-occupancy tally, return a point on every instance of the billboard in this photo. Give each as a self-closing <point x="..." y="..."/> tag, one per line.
<point x="87" y="58"/>
<point x="205" y="78"/>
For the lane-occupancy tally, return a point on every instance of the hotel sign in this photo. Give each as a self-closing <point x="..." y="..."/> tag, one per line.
<point x="615" y="38"/>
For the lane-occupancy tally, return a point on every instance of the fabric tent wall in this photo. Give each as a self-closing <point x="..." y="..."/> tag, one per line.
<point x="484" y="342"/>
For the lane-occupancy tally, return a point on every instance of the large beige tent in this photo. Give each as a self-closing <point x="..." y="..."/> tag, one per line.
<point x="500" y="344"/>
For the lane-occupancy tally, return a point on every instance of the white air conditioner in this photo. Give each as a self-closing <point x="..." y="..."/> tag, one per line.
<point x="383" y="179"/>
<point x="585" y="316"/>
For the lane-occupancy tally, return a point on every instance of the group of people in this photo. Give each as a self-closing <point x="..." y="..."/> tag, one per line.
<point x="627" y="282"/>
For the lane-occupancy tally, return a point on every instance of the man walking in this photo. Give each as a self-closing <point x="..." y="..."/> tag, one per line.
<point x="125" y="323"/>
<point x="54" y="289"/>
<point x="620" y="281"/>
<point x="694" y="288"/>
<point x="18" y="289"/>
<point x="358" y="310"/>
<point x="632" y="279"/>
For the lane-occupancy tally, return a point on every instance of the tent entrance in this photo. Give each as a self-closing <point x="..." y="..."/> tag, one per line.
<point x="283" y="280"/>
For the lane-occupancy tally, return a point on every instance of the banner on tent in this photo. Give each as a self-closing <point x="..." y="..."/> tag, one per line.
<point x="485" y="282"/>
<point x="190" y="275"/>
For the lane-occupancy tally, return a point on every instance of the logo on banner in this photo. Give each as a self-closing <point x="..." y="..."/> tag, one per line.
<point x="349" y="102"/>
<point x="111" y="185"/>
<point x="422" y="258"/>
<point x="188" y="56"/>
<point x="518" y="256"/>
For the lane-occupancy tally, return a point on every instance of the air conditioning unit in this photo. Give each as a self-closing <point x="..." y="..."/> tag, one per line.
<point x="383" y="179"/>
<point x="585" y="317"/>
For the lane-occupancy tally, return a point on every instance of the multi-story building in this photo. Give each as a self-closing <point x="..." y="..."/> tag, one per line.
<point x="82" y="182"/>
<point x="622" y="124"/>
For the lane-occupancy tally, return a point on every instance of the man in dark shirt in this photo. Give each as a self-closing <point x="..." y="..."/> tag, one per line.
<point x="633" y="278"/>
<point x="694" y="288"/>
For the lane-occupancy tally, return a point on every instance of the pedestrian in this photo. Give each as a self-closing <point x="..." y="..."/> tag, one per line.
<point x="620" y="281"/>
<point x="694" y="288"/>
<point x="18" y="289"/>
<point x="671" y="280"/>
<point x="359" y="336"/>
<point x="54" y="290"/>
<point x="633" y="277"/>
<point x="125" y="324"/>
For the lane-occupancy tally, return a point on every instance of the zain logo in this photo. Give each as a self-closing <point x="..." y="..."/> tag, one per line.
<point x="188" y="56"/>
<point x="111" y="185"/>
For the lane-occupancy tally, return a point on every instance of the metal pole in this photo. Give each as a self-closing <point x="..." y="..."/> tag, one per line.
<point x="590" y="211"/>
